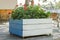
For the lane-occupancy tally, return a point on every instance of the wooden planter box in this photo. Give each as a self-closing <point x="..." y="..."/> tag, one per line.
<point x="30" y="27"/>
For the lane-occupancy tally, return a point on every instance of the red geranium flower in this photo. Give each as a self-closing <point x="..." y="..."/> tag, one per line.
<point x="25" y="7"/>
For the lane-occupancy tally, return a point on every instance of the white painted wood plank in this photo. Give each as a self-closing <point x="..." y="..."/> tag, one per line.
<point x="38" y="26"/>
<point x="37" y="32"/>
<point x="37" y="21"/>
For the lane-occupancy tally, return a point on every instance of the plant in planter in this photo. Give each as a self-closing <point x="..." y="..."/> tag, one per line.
<point x="32" y="12"/>
<point x="28" y="21"/>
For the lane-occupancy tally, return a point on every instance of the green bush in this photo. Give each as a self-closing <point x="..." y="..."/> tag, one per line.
<point x="32" y="12"/>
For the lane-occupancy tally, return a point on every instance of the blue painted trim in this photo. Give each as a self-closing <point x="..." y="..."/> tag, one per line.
<point x="16" y="27"/>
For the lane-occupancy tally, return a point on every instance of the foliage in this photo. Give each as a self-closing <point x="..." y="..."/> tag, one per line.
<point x="32" y="12"/>
<point x="57" y="5"/>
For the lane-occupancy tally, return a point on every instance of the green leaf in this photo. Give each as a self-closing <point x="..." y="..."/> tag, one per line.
<point x="32" y="12"/>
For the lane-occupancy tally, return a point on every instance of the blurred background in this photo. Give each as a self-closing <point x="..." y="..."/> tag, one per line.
<point x="7" y="6"/>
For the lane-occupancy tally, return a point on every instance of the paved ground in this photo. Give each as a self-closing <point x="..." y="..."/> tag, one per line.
<point x="56" y="34"/>
<point x="4" y="35"/>
<point x="56" y="31"/>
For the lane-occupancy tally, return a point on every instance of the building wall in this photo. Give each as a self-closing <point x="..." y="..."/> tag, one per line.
<point x="7" y="4"/>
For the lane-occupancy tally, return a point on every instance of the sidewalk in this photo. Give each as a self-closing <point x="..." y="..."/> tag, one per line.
<point x="4" y="35"/>
<point x="56" y="32"/>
